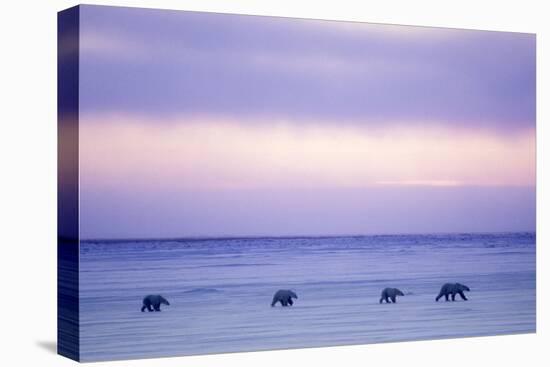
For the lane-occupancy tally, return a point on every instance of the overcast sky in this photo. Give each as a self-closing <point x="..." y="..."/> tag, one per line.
<point x="196" y="124"/>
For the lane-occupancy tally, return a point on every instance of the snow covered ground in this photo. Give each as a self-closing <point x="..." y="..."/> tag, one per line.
<point x="220" y="292"/>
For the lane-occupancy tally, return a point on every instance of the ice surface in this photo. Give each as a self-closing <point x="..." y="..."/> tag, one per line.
<point x="220" y="292"/>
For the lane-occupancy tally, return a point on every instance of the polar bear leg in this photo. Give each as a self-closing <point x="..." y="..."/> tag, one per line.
<point x="462" y="296"/>
<point x="146" y="305"/>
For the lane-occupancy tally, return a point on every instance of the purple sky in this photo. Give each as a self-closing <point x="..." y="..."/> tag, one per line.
<point x="245" y="125"/>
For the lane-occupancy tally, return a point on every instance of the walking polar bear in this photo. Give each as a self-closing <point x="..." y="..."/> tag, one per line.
<point x="155" y="301"/>
<point x="452" y="289"/>
<point x="284" y="296"/>
<point x="390" y="293"/>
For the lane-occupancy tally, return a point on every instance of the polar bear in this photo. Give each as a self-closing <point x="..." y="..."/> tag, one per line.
<point x="452" y="289"/>
<point x="390" y="293"/>
<point x="154" y="300"/>
<point x="284" y="296"/>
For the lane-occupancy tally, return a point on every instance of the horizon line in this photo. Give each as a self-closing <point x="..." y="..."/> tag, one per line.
<point x="288" y="236"/>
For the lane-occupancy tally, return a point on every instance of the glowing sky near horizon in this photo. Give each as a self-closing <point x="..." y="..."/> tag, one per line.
<point x="211" y="154"/>
<point x="197" y="124"/>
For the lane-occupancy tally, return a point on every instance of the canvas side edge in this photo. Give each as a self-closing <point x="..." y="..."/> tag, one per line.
<point x="68" y="318"/>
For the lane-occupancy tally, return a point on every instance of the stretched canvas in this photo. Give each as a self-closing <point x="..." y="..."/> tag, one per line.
<point x="235" y="183"/>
